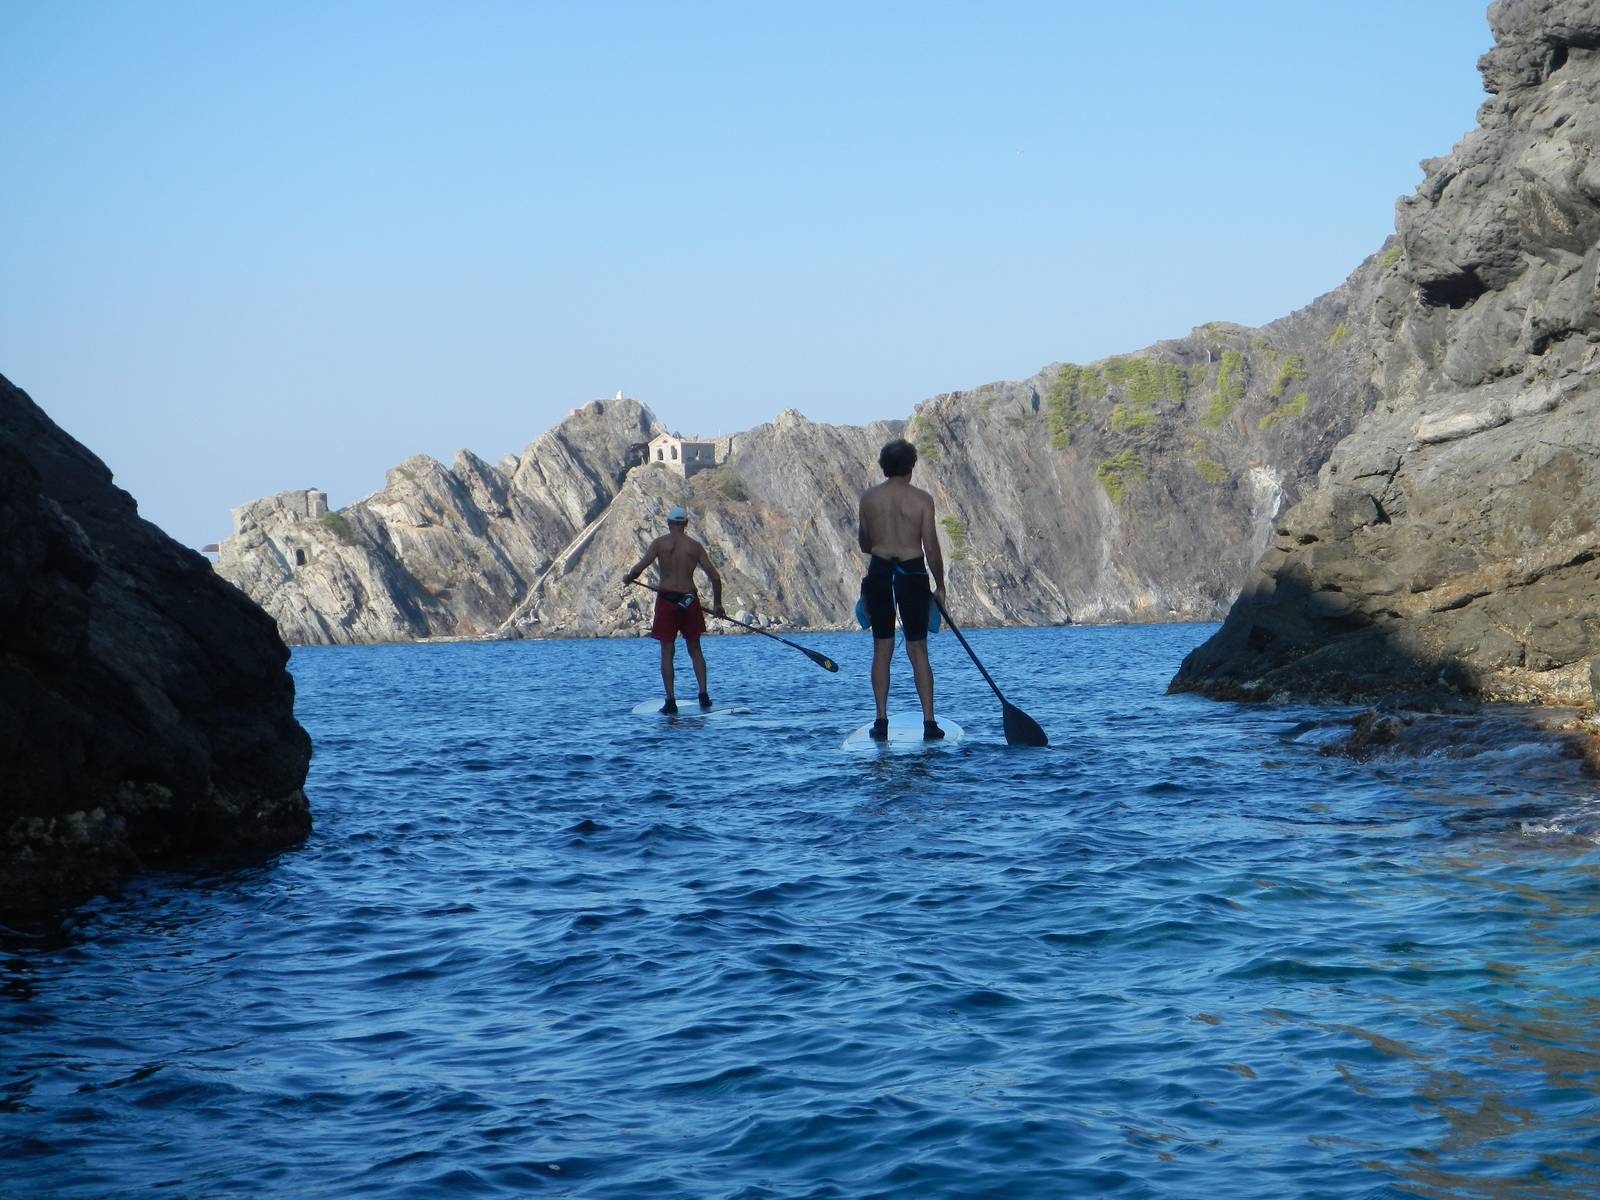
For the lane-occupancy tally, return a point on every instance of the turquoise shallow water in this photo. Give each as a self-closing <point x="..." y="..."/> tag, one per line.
<point x="540" y="946"/>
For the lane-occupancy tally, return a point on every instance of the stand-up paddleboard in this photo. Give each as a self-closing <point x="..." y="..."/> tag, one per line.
<point x="687" y="708"/>
<point x="905" y="731"/>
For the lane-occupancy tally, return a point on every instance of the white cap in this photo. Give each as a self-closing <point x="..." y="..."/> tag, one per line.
<point x="678" y="513"/>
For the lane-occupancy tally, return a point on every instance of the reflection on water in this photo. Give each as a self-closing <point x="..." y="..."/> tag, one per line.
<point x="538" y="945"/>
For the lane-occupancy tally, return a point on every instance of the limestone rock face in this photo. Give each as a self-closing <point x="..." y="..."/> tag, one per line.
<point x="1137" y="488"/>
<point x="778" y="519"/>
<point x="1451" y="539"/>
<point x="1142" y="487"/>
<point x="440" y="551"/>
<point x="145" y="712"/>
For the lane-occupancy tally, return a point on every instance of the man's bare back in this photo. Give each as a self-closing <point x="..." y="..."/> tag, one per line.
<point x="677" y="555"/>
<point x="896" y="522"/>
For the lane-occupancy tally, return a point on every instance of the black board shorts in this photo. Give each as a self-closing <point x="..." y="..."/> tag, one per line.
<point x="904" y="585"/>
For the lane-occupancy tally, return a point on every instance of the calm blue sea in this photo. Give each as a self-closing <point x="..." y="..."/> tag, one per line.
<point x="538" y="946"/>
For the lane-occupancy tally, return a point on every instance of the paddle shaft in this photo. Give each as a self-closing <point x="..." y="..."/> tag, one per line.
<point x="821" y="660"/>
<point x="811" y="654"/>
<point x="752" y="628"/>
<point x="1021" y="729"/>
<point x="955" y="629"/>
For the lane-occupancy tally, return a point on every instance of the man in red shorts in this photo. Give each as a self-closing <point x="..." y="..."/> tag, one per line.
<point x="678" y="608"/>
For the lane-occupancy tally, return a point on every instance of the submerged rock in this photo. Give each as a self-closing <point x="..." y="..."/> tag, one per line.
<point x="1513" y="738"/>
<point x="145" y="711"/>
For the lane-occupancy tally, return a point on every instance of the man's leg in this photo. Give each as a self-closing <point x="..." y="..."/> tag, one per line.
<point x="877" y="594"/>
<point x="698" y="661"/>
<point x="922" y="673"/>
<point x="668" y="645"/>
<point x="882" y="655"/>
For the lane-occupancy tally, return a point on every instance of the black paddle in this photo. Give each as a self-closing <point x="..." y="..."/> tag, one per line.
<point x="822" y="660"/>
<point x="1021" y="729"/>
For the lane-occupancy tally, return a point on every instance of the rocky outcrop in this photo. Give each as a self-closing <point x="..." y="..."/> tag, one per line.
<point x="1143" y="487"/>
<point x="440" y="551"/>
<point x="778" y="518"/>
<point x="1451" y="539"/>
<point x="1138" y="488"/>
<point x="145" y="710"/>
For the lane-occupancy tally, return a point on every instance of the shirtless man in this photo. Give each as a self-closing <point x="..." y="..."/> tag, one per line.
<point x="678" y="609"/>
<point x="896" y="528"/>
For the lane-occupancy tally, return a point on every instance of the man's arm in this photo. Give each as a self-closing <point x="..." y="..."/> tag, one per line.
<point x="930" y="547"/>
<point x="716" y="582"/>
<point x="862" y="538"/>
<point x="638" y="568"/>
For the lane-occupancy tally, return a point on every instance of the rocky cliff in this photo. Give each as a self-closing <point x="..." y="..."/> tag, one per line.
<point x="1451" y="539"/>
<point x="145" y="710"/>
<point x="439" y="551"/>
<point x="1140" y="487"/>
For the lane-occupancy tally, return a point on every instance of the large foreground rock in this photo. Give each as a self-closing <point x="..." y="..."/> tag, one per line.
<point x="1451" y="540"/>
<point x="145" y="712"/>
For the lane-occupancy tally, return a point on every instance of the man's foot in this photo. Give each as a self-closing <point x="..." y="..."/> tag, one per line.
<point x="670" y="707"/>
<point x="931" y="731"/>
<point x="705" y="700"/>
<point x="880" y="730"/>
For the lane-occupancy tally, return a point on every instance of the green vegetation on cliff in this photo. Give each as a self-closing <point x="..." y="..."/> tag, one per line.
<point x="1118" y="471"/>
<point x="1145" y="381"/>
<point x="1291" y="371"/>
<point x="340" y="527"/>
<point x="921" y="435"/>
<point x="729" y="483"/>
<point x="956" y="531"/>
<point x="1230" y="390"/>
<point x="1063" y="403"/>
<point x="1211" y="470"/>
<point x="1129" y="418"/>
<point x="1294" y="408"/>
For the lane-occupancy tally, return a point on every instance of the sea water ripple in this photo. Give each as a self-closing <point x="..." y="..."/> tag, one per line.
<point x="540" y="946"/>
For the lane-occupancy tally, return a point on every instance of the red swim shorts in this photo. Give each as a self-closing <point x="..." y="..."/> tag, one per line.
<point x="674" y="617"/>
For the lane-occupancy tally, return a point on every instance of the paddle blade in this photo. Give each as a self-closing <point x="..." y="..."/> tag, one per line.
<point x="1021" y="729"/>
<point x="822" y="660"/>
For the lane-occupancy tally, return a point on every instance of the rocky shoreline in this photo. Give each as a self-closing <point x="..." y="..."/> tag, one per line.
<point x="1450" y="543"/>
<point x="1390" y="494"/>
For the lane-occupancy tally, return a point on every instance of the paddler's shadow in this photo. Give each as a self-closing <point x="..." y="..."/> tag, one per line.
<point x="895" y="777"/>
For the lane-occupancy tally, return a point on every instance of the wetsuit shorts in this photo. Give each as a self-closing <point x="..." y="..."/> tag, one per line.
<point x="678" y="612"/>
<point x="890" y="584"/>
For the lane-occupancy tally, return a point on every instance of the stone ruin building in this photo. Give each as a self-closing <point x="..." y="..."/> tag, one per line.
<point x="308" y="504"/>
<point x="687" y="456"/>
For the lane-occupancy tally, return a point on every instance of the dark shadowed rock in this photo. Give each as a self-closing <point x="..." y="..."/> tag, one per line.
<point x="145" y="712"/>
<point x="1452" y="538"/>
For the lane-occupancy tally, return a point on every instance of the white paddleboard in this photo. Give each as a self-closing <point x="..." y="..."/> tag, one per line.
<point x="687" y="708"/>
<point x="905" y="730"/>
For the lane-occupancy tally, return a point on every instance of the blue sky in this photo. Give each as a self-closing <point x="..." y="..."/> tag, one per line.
<point x="252" y="247"/>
